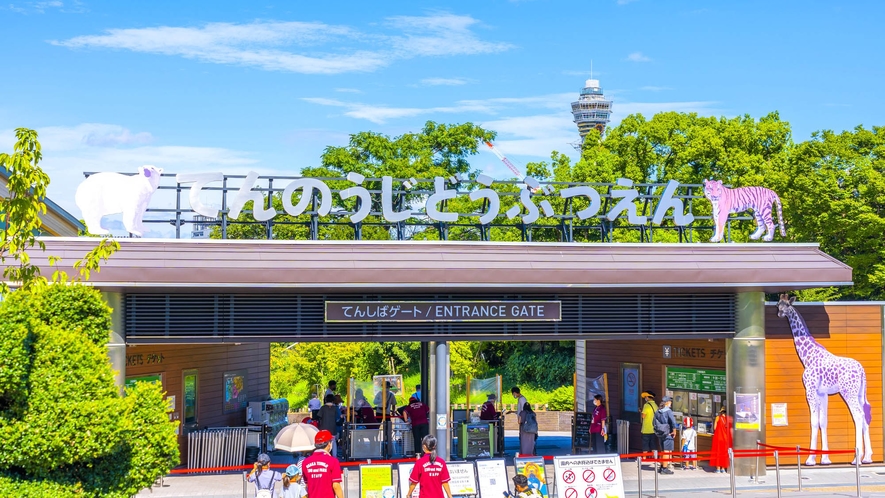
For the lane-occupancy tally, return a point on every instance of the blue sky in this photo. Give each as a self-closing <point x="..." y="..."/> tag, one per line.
<point x="234" y="86"/>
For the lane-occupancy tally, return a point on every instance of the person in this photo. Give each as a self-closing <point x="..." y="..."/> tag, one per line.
<point x="647" y="430"/>
<point x="331" y="389"/>
<point x="520" y="399"/>
<point x="293" y="485"/>
<point x="488" y="410"/>
<point x="528" y="430"/>
<point x="265" y="479"/>
<point x="363" y="411"/>
<point x="390" y="406"/>
<point x="417" y="393"/>
<point x="597" y="425"/>
<point x="522" y="488"/>
<point x="342" y="409"/>
<point x="665" y="429"/>
<point x="418" y="414"/>
<point x="721" y="441"/>
<point x="689" y="443"/>
<point x="322" y="472"/>
<point x="430" y="473"/>
<point x="329" y="417"/>
<point x="314" y="405"/>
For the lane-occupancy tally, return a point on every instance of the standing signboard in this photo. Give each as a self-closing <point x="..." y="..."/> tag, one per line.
<point x="492" y="477"/>
<point x="593" y="476"/>
<point x="463" y="479"/>
<point x="534" y="470"/>
<point x="376" y="481"/>
<point x="581" y="434"/>
<point x="403" y="471"/>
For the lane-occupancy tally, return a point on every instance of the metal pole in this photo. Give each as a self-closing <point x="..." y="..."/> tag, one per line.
<point x="731" y="472"/>
<point x="756" y="472"/>
<point x="857" y="469"/>
<point x="777" y="472"/>
<point x="442" y="399"/>
<point x="654" y="466"/>
<point x="639" y="474"/>
<point x="244" y="484"/>
<point x="799" y="467"/>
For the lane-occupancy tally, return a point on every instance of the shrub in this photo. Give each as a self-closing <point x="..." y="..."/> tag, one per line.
<point x="562" y="399"/>
<point x="64" y="429"/>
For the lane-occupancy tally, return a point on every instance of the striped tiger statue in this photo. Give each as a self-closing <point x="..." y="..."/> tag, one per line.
<point x="735" y="200"/>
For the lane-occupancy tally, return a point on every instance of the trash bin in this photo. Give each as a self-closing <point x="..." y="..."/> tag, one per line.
<point x="623" y="437"/>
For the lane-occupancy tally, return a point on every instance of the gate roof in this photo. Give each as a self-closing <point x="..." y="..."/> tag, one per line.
<point x="475" y="266"/>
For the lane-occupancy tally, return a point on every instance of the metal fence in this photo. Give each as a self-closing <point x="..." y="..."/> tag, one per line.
<point x="220" y="447"/>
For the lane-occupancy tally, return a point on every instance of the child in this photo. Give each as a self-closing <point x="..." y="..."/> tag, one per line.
<point x="689" y="444"/>
<point x="522" y="488"/>
<point x="293" y="485"/>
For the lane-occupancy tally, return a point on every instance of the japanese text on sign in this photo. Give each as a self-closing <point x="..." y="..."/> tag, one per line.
<point x="442" y="311"/>
<point x="695" y="380"/>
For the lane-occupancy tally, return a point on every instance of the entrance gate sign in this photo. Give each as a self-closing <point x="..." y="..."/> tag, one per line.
<point x="589" y="476"/>
<point x="443" y="311"/>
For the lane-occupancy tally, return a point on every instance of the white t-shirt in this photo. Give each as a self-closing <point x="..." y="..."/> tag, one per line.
<point x="295" y="490"/>
<point x="689" y="438"/>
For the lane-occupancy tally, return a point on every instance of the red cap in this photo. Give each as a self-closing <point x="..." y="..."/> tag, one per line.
<point x="322" y="437"/>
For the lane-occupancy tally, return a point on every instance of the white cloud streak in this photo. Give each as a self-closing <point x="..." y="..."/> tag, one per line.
<point x="637" y="57"/>
<point x="296" y="46"/>
<point x="444" y="81"/>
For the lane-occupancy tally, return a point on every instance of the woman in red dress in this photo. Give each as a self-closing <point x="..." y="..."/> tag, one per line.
<point x="721" y="442"/>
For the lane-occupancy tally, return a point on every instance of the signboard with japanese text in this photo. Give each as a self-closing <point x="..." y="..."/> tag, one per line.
<point x="594" y="476"/>
<point x="693" y="379"/>
<point x="442" y="311"/>
<point x="463" y="479"/>
<point x="403" y="471"/>
<point x="492" y="476"/>
<point x="374" y="479"/>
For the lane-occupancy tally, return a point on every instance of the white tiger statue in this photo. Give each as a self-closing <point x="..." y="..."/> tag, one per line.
<point x="735" y="200"/>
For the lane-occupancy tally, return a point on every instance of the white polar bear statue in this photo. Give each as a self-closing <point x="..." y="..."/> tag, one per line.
<point x="110" y="193"/>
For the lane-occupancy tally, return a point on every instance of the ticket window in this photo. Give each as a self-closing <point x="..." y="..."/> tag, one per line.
<point x="696" y="392"/>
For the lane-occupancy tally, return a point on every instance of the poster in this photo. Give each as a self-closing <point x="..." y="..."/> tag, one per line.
<point x="779" y="414"/>
<point x="534" y="470"/>
<point x="374" y="479"/>
<point x="747" y="412"/>
<point x="595" y="476"/>
<point x="404" y="470"/>
<point x="235" y="395"/>
<point x="630" y="379"/>
<point x="492" y="476"/>
<point x="463" y="479"/>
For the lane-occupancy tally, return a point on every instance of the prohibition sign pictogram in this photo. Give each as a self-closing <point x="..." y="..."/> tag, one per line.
<point x="589" y="475"/>
<point x="590" y="492"/>
<point x="631" y="379"/>
<point x="568" y="476"/>
<point x="609" y="474"/>
<point x="571" y="493"/>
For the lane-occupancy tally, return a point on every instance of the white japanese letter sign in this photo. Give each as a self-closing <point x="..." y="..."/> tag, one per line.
<point x="108" y="193"/>
<point x="590" y="476"/>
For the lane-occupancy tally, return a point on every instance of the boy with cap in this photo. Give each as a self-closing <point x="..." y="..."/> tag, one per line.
<point x="522" y="488"/>
<point x="649" y="408"/>
<point x="322" y="472"/>
<point x="665" y="428"/>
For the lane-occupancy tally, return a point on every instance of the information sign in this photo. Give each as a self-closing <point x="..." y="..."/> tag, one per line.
<point x="581" y="437"/>
<point x="693" y="379"/>
<point x="492" y="477"/>
<point x="404" y="470"/>
<point x="463" y="479"/>
<point x="535" y="471"/>
<point x="374" y="479"/>
<point x="589" y="476"/>
<point x="779" y="415"/>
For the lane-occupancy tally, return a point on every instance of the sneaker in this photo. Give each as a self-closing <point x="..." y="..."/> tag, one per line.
<point x="692" y="467"/>
<point x="666" y="471"/>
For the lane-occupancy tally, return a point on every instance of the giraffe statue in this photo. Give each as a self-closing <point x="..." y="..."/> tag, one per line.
<point x="826" y="374"/>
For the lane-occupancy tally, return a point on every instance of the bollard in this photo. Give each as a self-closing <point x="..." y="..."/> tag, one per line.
<point x="777" y="473"/>
<point x="731" y="472"/>
<point x="654" y="466"/>
<point x="755" y="476"/>
<point x="799" y="466"/>
<point x="344" y="484"/>
<point x="639" y="473"/>
<point x="857" y="469"/>
<point x="244" y="484"/>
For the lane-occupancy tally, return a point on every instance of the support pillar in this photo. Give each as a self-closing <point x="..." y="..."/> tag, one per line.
<point x="431" y="385"/>
<point x="441" y="386"/>
<point x="745" y="365"/>
<point x="117" y="340"/>
<point x="424" y="363"/>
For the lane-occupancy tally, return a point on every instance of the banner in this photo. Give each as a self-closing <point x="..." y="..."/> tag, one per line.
<point x="747" y="411"/>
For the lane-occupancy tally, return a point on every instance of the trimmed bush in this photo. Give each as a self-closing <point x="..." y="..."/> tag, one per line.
<point x="562" y="399"/>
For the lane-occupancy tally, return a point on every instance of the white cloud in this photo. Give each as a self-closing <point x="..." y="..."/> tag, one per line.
<point x="348" y="90"/>
<point x="444" y="81"/>
<point x="380" y="114"/>
<point x="651" y="88"/>
<point x="297" y="46"/>
<point x="43" y="6"/>
<point x="625" y="2"/>
<point x="637" y="57"/>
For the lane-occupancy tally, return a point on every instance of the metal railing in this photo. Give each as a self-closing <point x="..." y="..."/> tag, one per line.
<point x="219" y="447"/>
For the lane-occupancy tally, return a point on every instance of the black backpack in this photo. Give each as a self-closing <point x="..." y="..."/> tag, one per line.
<point x="661" y="423"/>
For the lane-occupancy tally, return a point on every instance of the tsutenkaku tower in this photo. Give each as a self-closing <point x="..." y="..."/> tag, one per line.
<point x="591" y="110"/>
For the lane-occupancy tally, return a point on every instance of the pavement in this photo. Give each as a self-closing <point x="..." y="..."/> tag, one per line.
<point x="830" y="481"/>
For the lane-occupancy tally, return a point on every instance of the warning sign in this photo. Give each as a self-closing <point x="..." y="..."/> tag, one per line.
<point x="591" y="468"/>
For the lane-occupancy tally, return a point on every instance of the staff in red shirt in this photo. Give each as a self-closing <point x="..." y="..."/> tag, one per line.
<point x="429" y="473"/>
<point x="322" y="472"/>
<point x="419" y="415"/>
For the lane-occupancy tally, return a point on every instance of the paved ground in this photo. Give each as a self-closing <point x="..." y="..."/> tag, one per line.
<point x="817" y="482"/>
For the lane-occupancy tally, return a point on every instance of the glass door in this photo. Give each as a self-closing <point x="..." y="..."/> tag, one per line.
<point x="190" y="388"/>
